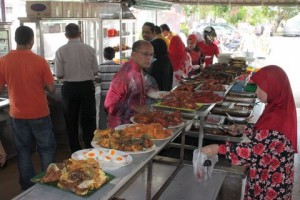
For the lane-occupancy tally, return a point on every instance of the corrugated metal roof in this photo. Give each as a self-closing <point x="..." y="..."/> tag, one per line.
<point x="237" y="2"/>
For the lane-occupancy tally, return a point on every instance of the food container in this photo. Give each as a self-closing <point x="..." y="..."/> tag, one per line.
<point x="214" y="119"/>
<point x="44" y="9"/>
<point x="212" y="132"/>
<point x="112" y="32"/>
<point x="224" y="104"/>
<point x="237" y="98"/>
<point x="231" y="111"/>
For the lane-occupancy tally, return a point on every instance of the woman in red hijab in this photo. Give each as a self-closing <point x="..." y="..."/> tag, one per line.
<point x="195" y="53"/>
<point x="269" y="154"/>
<point x="180" y="59"/>
<point x="193" y="49"/>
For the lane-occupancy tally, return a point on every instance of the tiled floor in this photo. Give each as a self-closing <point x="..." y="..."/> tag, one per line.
<point x="9" y="186"/>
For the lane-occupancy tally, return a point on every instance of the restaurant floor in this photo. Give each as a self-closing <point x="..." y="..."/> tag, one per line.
<point x="10" y="188"/>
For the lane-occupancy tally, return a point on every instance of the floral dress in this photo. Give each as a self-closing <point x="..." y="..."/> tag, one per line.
<point x="270" y="158"/>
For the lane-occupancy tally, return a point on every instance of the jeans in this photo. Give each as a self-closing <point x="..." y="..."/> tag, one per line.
<point x="26" y="132"/>
<point x="79" y="103"/>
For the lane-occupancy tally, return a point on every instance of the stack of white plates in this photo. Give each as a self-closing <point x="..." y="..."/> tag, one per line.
<point x="224" y="58"/>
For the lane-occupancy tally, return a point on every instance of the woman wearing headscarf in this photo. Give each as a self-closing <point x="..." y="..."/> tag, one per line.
<point x="273" y="139"/>
<point x="161" y="69"/>
<point x="180" y="59"/>
<point x="193" y="49"/>
<point x="209" y="47"/>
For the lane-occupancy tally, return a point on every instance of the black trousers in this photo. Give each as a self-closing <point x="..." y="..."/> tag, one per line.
<point x="79" y="104"/>
<point x="102" y="114"/>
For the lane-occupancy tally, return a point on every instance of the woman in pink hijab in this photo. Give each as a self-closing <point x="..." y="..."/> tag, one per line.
<point x="269" y="154"/>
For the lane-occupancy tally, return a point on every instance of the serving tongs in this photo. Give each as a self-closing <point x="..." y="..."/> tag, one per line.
<point x="224" y="129"/>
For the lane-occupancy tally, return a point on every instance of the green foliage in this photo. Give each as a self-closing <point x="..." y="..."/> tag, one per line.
<point x="184" y="28"/>
<point x="236" y="14"/>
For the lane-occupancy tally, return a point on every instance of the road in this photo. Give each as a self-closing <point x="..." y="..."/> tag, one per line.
<point x="284" y="53"/>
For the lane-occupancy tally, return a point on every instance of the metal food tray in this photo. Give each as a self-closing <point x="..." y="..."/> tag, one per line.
<point x="224" y="104"/>
<point x="226" y="88"/>
<point x="243" y="94"/>
<point x="186" y="114"/>
<point x="193" y="132"/>
<point x="218" y="119"/>
<point x="232" y="112"/>
<point x="242" y="106"/>
<point x="236" y="98"/>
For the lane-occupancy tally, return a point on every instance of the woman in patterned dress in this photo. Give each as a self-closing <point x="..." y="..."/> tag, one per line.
<point x="273" y="140"/>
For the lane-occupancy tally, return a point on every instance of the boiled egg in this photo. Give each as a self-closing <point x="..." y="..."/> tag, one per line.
<point x="107" y="158"/>
<point x="101" y="155"/>
<point x="92" y="154"/>
<point x="119" y="160"/>
<point x="112" y="153"/>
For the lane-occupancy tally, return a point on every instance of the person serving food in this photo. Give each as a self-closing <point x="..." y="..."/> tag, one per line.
<point x="273" y="139"/>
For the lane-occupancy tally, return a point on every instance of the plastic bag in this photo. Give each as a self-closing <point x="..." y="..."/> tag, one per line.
<point x="203" y="165"/>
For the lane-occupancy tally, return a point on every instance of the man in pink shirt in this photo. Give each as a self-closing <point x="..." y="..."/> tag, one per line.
<point x="127" y="93"/>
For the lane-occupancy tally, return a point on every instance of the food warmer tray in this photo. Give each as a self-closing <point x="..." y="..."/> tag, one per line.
<point x="214" y="119"/>
<point x="186" y="114"/>
<point x="243" y="94"/>
<point x="233" y="112"/>
<point x="212" y="132"/>
<point x="221" y="93"/>
<point x="241" y="99"/>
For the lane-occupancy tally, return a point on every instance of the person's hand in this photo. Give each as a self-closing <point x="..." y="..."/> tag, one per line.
<point x="141" y="109"/>
<point x="210" y="150"/>
<point x="236" y="129"/>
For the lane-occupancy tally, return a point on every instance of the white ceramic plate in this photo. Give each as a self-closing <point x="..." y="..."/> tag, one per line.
<point x="158" y="94"/>
<point x="95" y="145"/>
<point x="105" y="164"/>
<point x="123" y="126"/>
<point x="170" y="127"/>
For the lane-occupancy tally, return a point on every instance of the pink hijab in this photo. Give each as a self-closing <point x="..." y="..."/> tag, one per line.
<point x="280" y="111"/>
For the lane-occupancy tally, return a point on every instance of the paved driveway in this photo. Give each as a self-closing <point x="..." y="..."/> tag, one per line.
<point x="285" y="53"/>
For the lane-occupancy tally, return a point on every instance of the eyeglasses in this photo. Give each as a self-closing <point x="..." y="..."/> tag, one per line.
<point x="146" y="54"/>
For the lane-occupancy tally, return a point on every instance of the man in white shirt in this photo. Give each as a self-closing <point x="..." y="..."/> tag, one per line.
<point x="76" y="63"/>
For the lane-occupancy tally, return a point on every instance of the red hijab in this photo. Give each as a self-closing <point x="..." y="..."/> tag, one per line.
<point x="195" y="55"/>
<point x="177" y="53"/>
<point x="280" y="111"/>
<point x="192" y="37"/>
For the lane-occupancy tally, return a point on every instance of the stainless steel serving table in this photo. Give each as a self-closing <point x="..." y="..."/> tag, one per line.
<point x="122" y="176"/>
<point x="185" y="186"/>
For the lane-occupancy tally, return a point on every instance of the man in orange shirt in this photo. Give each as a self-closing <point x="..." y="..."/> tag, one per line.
<point x="27" y="76"/>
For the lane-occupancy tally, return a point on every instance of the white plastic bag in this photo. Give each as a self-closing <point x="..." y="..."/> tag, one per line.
<point x="203" y="165"/>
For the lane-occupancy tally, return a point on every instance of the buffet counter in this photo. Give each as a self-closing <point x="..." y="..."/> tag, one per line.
<point x="140" y="161"/>
<point x="227" y="181"/>
<point x="122" y="176"/>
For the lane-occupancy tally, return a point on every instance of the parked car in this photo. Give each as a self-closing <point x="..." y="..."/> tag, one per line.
<point x="291" y="29"/>
<point x="292" y="26"/>
<point x="227" y="35"/>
